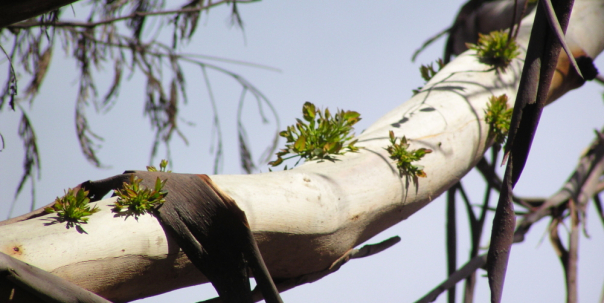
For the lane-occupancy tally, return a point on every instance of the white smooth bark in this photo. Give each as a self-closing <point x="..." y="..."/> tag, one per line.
<point x="307" y="217"/>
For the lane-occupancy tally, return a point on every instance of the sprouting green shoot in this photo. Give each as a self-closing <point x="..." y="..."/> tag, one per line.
<point x="135" y="199"/>
<point x="428" y="72"/>
<point x="320" y="136"/>
<point x="73" y="208"/>
<point x="162" y="166"/>
<point x="399" y="151"/>
<point x="498" y="116"/>
<point x="494" y="49"/>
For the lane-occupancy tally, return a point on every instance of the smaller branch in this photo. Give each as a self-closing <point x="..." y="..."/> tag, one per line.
<point x="583" y="183"/>
<point x="133" y="15"/>
<point x="502" y="235"/>
<point x="511" y="29"/>
<point x="573" y="254"/>
<point x="232" y="61"/>
<point x="477" y="229"/>
<point x="365" y="251"/>
<point x="464" y="272"/>
<point x="452" y="236"/>
<point x="11" y="86"/>
<point x="598" y="204"/>
<point x="484" y="167"/>
<point x="286" y="284"/>
<point x="600" y="78"/>
<point x="557" y="244"/>
<point x="428" y="42"/>
<point x="555" y="27"/>
<point x="588" y="171"/>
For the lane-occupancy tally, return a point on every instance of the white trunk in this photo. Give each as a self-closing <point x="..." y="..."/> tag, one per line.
<point x="304" y="218"/>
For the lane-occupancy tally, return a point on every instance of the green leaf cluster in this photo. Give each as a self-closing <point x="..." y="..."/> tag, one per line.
<point x="495" y="49"/>
<point x="320" y="136"/>
<point x="428" y="72"/>
<point x="135" y="199"/>
<point x="498" y="116"/>
<point x="162" y="166"/>
<point x="404" y="157"/>
<point x="72" y="208"/>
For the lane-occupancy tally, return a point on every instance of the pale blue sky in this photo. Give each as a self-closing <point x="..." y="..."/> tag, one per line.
<point x="351" y="55"/>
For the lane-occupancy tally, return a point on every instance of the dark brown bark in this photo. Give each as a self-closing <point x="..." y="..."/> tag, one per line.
<point x="451" y="239"/>
<point x="214" y="233"/>
<point x="15" y="11"/>
<point x="208" y="226"/>
<point x="541" y="60"/>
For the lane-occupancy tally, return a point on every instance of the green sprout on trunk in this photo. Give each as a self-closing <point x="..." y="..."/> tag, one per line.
<point x="73" y="208"/>
<point x="404" y="157"/>
<point x="495" y="49"/>
<point x="428" y="72"/>
<point x="321" y="136"/>
<point x="498" y="116"/>
<point x="162" y="166"/>
<point x="136" y="200"/>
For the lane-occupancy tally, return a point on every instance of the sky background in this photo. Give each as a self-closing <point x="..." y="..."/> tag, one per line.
<point x="352" y="55"/>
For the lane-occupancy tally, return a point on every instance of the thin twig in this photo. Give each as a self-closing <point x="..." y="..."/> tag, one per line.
<point x="573" y="249"/>
<point x="598" y="204"/>
<point x="216" y="123"/>
<point x="478" y="228"/>
<point x="588" y="171"/>
<point x="284" y="285"/>
<point x="583" y="183"/>
<point x="428" y="42"/>
<point x="495" y="182"/>
<point x="511" y="29"/>
<point x="460" y="274"/>
<point x="451" y="238"/>
<point x="555" y="26"/>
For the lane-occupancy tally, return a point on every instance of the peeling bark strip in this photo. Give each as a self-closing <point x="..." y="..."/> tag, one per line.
<point x="540" y="63"/>
<point x="21" y="282"/>
<point x="208" y="226"/>
<point x="214" y="233"/>
<point x="502" y="236"/>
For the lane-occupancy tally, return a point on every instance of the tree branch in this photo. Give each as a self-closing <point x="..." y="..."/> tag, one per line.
<point x="461" y="274"/>
<point x="15" y="11"/>
<point x="583" y="182"/>
<point x="30" y="24"/>
<point x="307" y="218"/>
